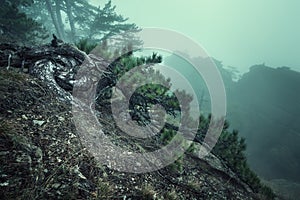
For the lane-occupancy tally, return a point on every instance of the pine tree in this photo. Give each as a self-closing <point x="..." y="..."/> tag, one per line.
<point x="16" y="26"/>
<point x="108" y="23"/>
<point x="82" y="20"/>
<point x="231" y="149"/>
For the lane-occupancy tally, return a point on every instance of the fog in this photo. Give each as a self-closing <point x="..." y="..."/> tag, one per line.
<point x="252" y="45"/>
<point x="239" y="33"/>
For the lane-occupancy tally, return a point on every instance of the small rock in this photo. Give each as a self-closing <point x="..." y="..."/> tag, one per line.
<point x="138" y="164"/>
<point x="72" y="135"/>
<point x="61" y="119"/>
<point x="38" y="122"/>
<point x="24" y="117"/>
<point x="56" y="185"/>
<point x="105" y="174"/>
<point x="4" y="184"/>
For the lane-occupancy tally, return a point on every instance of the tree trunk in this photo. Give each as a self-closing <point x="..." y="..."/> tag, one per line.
<point x="53" y="17"/>
<point x="71" y="20"/>
<point x="56" y="66"/>
<point x="59" y="18"/>
<point x="31" y="55"/>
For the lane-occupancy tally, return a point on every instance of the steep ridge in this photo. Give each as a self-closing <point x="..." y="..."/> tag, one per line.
<point x="43" y="158"/>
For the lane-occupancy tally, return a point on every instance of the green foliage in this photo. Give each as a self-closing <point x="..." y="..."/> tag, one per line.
<point x="145" y="96"/>
<point x="228" y="145"/>
<point x="231" y="149"/>
<point x="73" y="20"/>
<point x="85" y="45"/>
<point x="108" y="23"/>
<point x="167" y="135"/>
<point x="177" y="166"/>
<point x="191" y="148"/>
<point x="16" y="26"/>
<point x="267" y="192"/>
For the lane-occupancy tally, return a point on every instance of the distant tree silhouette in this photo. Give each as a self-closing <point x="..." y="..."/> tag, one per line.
<point x="16" y="26"/>
<point x="83" y="20"/>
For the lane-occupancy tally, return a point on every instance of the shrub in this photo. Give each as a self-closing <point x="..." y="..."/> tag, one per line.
<point x="85" y="45"/>
<point x="231" y="149"/>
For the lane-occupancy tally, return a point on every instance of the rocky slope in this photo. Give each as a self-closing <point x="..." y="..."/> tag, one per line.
<point x="42" y="156"/>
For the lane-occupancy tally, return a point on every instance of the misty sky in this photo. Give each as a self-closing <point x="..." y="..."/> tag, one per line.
<point x="239" y="33"/>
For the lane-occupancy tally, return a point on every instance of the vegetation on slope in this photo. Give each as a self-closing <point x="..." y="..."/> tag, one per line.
<point x="42" y="157"/>
<point x="230" y="147"/>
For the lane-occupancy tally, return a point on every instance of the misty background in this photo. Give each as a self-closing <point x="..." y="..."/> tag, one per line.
<point x="239" y="33"/>
<point x="254" y="44"/>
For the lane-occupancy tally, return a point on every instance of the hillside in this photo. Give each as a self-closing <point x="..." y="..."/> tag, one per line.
<point x="43" y="158"/>
<point x="264" y="106"/>
<point x="268" y="107"/>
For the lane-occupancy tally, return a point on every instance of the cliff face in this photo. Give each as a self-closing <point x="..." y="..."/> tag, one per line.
<point x="43" y="158"/>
